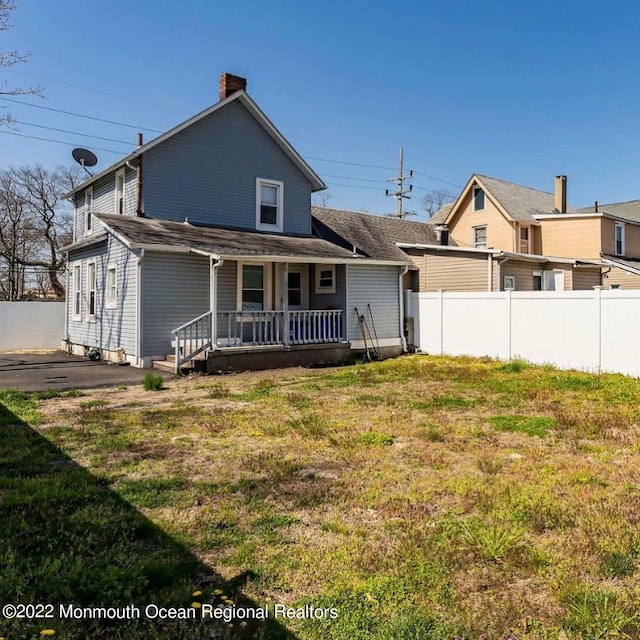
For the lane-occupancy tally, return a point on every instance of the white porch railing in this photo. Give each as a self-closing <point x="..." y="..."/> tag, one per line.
<point x="192" y="338"/>
<point x="256" y="328"/>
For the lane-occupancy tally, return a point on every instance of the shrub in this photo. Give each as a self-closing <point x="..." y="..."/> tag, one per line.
<point x="153" y="382"/>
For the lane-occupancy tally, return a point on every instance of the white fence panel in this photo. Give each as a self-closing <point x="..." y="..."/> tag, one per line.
<point x="559" y="328"/>
<point x="588" y="330"/>
<point x="31" y="325"/>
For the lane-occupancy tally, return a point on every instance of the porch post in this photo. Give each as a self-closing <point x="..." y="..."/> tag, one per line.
<point x="214" y="263"/>
<point x="285" y="304"/>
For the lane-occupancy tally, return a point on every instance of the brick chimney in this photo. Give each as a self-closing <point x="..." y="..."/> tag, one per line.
<point x="229" y="84"/>
<point x="561" y="194"/>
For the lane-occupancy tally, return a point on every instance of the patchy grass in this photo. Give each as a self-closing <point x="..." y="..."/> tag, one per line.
<point x="422" y="497"/>
<point x="153" y="382"/>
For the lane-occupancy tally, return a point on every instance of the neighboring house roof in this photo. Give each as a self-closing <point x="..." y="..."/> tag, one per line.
<point x="629" y="210"/>
<point x="151" y="233"/>
<point x="242" y="97"/>
<point x="371" y="235"/>
<point x="628" y="264"/>
<point x="441" y="214"/>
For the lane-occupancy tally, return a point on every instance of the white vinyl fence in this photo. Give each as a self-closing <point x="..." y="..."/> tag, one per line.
<point x="595" y="330"/>
<point x="31" y="325"/>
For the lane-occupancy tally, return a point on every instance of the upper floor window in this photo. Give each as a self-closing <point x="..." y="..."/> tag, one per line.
<point x="478" y="199"/>
<point x="88" y="210"/>
<point x="619" y="237"/>
<point x="480" y="237"/>
<point x="524" y="239"/>
<point x="269" y="205"/>
<point x="119" y="194"/>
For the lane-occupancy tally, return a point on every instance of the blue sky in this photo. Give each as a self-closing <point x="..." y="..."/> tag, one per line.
<point x="516" y="90"/>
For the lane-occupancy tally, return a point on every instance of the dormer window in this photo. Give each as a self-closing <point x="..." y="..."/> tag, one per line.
<point x="478" y="199"/>
<point x="88" y="210"/>
<point x="119" y="193"/>
<point x="269" y="205"/>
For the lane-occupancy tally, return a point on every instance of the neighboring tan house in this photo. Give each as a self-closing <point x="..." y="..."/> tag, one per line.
<point x="438" y="264"/>
<point x="499" y="215"/>
<point x="200" y="242"/>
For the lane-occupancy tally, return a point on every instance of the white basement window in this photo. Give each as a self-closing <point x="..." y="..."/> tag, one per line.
<point x="112" y="286"/>
<point x="269" y="205"/>
<point x="91" y="290"/>
<point x="326" y="278"/>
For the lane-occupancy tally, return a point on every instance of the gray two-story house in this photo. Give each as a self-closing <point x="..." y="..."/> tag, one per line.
<point x="201" y="242"/>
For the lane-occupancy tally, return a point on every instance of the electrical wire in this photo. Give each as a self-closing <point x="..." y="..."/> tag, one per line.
<point x="75" y="133"/>
<point x="69" y="144"/>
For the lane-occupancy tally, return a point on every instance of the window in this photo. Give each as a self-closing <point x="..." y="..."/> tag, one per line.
<point x="537" y="280"/>
<point x="480" y="237"/>
<point x="294" y="296"/>
<point x="524" y="239"/>
<point x="619" y="249"/>
<point x="91" y="290"/>
<point x="77" y="292"/>
<point x="119" y="194"/>
<point x="614" y="286"/>
<point x="478" y="199"/>
<point x="509" y="283"/>
<point x="88" y="210"/>
<point x="112" y="286"/>
<point x="253" y="298"/>
<point x="326" y="278"/>
<point x="269" y="204"/>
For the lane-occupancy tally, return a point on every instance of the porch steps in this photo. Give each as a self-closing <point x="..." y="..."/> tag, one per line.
<point x="169" y="364"/>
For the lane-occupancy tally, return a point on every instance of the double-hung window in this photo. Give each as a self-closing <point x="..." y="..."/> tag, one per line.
<point x="480" y="237"/>
<point x="91" y="290"/>
<point x="269" y="205"/>
<point x="619" y="239"/>
<point x="119" y="192"/>
<point x="253" y="287"/>
<point x="88" y="210"/>
<point x="77" y="292"/>
<point x="112" y="286"/>
<point x="326" y="278"/>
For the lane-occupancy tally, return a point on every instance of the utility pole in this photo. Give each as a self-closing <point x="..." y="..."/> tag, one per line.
<point x="400" y="192"/>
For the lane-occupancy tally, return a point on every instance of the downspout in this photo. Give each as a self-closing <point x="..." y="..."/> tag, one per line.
<point x="514" y="224"/>
<point x="66" y="306"/>
<point x="403" y="271"/>
<point x="490" y="274"/>
<point x="139" y="358"/>
<point x="214" y="263"/>
<point x="500" y="263"/>
<point x="603" y="275"/>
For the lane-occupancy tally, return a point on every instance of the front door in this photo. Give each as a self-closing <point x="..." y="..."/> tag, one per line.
<point x="298" y="287"/>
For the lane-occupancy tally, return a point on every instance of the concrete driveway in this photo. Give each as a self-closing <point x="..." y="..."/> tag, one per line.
<point x="31" y="372"/>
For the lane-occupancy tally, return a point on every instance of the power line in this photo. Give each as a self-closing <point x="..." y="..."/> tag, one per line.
<point x="79" y="115"/>
<point x="424" y="175"/>
<point x="69" y="144"/>
<point x="400" y="192"/>
<point x="353" y="164"/>
<point x="76" y="133"/>
<point x="352" y="186"/>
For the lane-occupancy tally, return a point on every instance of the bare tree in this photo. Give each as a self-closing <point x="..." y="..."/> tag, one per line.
<point x="322" y="199"/>
<point x="9" y="58"/>
<point x="34" y="222"/>
<point x="435" y="200"/>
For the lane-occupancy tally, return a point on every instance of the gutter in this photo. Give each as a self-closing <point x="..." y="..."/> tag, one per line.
<point x="499" y="265"/>
<point x="403" y="272"/>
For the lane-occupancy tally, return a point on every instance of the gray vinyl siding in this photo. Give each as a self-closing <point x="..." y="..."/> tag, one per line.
<point x="175" y="289"/>
<point x="208" y="172"/>
<point x="377" y="285"/>
<point x="112" y="328"/>
<point x="104" y="200"/>
<point x="227" y="297"/>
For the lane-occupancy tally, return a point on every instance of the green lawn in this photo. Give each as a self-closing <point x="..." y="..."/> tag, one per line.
<point x="422" y="497"/>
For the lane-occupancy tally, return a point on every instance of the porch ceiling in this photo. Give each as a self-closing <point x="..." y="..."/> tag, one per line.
<point x="149" y="232"/>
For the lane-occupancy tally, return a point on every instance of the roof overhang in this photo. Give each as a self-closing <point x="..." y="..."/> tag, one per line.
<point x="621" y="265"/>
<point x="317" y="183"/>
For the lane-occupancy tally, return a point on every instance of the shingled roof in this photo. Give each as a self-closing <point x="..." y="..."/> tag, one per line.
<point x="138" y="232"/>
<point x="371" y="235"/>
<point x="629" y="210"/>
<point x="521" y="203"/>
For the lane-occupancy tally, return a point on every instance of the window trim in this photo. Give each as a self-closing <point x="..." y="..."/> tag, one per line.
<point x="484" y="198"/>
<point x="109" y="302"/>
<point x="76" y="311"/>
<point x="118" y="174"/>
<point x="512" y="280"/>
<point x="267" y="283"/>
<point x="526" y="240"/>
<point x="621" y="226"/>
<point x="537" y="274"/>
<point x="92" y="316"/>
<point x="88" y="212"/>
<point x="318" y="270"/>
<point x="473" y="238"/>
<point x="261" y="226"/>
